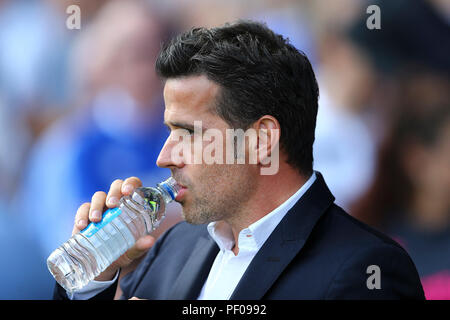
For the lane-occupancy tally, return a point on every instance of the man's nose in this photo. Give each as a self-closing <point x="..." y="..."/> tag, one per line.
<point x="166" y="159"/>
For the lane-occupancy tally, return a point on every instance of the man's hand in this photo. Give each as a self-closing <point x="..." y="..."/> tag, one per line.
<point x="93" y="212"/>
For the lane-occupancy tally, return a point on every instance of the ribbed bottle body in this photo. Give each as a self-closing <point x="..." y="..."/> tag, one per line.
<point x="88" y="253"/>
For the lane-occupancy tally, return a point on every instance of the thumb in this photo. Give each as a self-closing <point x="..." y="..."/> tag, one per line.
<point x="141" y="246"/>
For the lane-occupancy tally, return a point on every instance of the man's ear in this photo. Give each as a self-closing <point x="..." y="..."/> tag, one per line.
<point x="268" y="133"/>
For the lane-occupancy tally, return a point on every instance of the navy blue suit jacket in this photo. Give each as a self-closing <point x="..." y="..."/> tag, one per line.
<point x="317" y="251"/>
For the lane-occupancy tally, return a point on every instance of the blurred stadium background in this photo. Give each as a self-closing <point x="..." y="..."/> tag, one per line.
<point x="80" y="108"/>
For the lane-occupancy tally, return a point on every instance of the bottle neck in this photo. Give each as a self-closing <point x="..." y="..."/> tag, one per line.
<point x="169" y="189"/>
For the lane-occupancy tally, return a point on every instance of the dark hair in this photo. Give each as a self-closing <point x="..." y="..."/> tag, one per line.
<point x="259" y="73"/>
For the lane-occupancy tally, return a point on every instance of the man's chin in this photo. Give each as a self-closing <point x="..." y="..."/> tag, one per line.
<point x="193" y="220"/>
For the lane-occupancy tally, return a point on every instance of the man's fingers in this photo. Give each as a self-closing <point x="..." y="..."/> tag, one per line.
<point x="121" y="188"/>
<point x="81" y="218"/>
<point x="97" y="205"/>
<point x="130" y="184"/>
<point x="141" y="246"/>
<point x="114" y="194"/>
<point x="138" y="250"/>
<point x="144" y="243"/>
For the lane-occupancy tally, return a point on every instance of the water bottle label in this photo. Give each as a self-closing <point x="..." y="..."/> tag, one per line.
<point x="93" y="227"/>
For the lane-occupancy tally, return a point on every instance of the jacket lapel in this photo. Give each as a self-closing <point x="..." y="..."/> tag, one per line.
<point x="284" y="243"/>
<point x="194" y="273"/>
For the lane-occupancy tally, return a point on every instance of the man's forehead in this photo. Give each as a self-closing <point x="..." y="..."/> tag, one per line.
<point x="189" y="96"/>
<point x="198" y="90"/>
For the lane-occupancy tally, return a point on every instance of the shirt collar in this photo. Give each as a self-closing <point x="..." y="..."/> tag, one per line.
<point x="253" y="237"/>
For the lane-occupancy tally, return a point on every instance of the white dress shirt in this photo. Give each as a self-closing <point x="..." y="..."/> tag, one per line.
<point x="227" y="269"/>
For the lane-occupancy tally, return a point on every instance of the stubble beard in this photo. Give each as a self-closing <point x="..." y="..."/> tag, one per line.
<point x="215" y="204"/>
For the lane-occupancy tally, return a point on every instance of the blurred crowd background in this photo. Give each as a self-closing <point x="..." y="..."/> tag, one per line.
<point x="80" y="108"/>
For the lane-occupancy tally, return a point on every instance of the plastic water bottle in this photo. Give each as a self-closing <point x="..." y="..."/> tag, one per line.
<point x="89" y="252"/>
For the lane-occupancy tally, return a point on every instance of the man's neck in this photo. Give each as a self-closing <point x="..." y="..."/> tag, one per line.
<point x="271" y="192"/>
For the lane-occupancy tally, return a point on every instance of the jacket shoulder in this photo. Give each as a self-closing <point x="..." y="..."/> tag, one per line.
<point x="358" y="249"/>
<point x="342" y="225"/>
